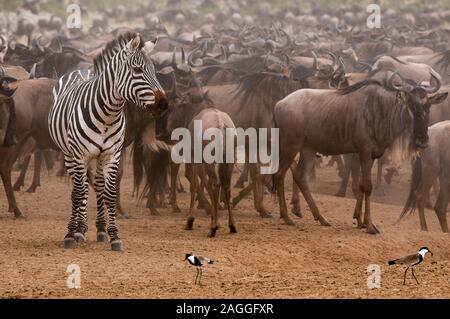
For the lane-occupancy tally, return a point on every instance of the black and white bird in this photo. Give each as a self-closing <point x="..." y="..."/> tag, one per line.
<point x="198" y="262"/>
<point x="411" y="261"/>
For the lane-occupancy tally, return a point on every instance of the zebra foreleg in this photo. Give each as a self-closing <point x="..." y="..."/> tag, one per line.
<point x="78" y="220"/>
<point x="110" y="197"/>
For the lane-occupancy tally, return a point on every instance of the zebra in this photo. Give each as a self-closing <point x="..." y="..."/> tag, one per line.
<point x="87" y="122"/>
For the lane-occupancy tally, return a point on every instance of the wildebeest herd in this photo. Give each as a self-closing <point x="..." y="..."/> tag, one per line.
<point x="329" y="83"/>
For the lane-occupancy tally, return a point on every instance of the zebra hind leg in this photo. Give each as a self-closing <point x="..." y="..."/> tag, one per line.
<point x="99" y="186"/>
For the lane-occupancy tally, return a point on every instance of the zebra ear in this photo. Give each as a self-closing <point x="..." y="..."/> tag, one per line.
<point x="134" y="44"/>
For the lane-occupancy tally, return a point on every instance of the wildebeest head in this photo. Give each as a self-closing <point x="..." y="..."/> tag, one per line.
<point x="417" y="98"/>
<point x="7" y="113"/>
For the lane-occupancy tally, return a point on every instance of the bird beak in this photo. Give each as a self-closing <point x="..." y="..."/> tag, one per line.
<point x="430" y="252"/>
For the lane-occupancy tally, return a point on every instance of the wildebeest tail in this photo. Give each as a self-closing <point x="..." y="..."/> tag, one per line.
<point x="416" y="179"/>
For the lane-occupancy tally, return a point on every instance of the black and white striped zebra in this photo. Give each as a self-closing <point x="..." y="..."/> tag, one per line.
<point x="87" y="122"/>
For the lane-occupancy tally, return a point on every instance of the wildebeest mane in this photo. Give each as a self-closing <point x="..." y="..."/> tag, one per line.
<point x="444" y="61"/>
<point x="111" y="49"/>
<point x="264" y="88"/>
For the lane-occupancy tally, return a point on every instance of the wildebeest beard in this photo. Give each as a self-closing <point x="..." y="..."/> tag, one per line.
<point x="385" y="109"/>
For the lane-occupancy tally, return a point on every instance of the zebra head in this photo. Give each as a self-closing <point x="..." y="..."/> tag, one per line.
<point x="137" y="81"/>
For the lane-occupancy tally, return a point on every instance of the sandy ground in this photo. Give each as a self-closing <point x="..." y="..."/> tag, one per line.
<point x="265" y="259"/>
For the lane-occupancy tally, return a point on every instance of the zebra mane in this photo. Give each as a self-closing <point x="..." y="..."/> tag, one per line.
<point x="111" y="49"/>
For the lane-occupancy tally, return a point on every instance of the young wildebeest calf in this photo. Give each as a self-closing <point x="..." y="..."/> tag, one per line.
<point x="214" y="175"/>
<point x="433" y="162"/>
<point x="364" y="118"/>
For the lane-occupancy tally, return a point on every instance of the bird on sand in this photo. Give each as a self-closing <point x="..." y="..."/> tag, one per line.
<point x="198" y="261"/>
<point x="410" y="261"/>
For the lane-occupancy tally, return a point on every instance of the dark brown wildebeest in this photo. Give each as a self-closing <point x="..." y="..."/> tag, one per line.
<point x="365" y="118"/>
<point x="32" y="99"/>
<point x="432" y="163"/>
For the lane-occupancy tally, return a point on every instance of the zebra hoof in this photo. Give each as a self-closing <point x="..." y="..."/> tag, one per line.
<point x="101" y="237"/>
<point x="116" y="245"/>
<point x="69" y="243"/>
<point x="79" y="237"/>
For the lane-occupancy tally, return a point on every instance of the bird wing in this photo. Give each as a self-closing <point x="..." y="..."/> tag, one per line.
<point x="203" y="259"/>
<point x="409" y="260"/>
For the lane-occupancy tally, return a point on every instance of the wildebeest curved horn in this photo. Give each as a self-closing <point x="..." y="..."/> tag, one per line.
<point x="435" y="84"/>
<point x="33" y="72"/>
<point x="183" y="56"/>
<point x="340" y="69"/>
<point x="3" y="41"/>
<point x="400" y="87"/>
<point x="314" y="67"/>
<point x="39" y="45"/>
<point x="174" y="56"/>
<point x="366" y="65"/>
<point x="288" y="39"/>
<point x="2" y="71"/>
<point x="193" y="56"/>
<point x="56" y="46"/>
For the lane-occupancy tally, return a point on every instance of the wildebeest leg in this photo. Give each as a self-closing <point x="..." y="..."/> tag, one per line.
<point x="443" y="198"/>
<point x="120" y="211"/>
<point x="213" y="186"/>
<point x="151" y="202"/>
<point x="379" y="184"/>
<point x="5" y="171"/>
<point x="174" y="170"/>
<point x="49" y="159"/>
<point x="37" y="171"/>
<point x="20" y="182"/>
<point x="242" y="194"/>
<point x="191" y="175"/>
<point x="242" y="178"/>
<point x="345" y="175"/>
<point x="99" y="187"/>
<point x="357" y="191"/>
<point x="295" y="201"/>
<point x="306" y="163"/>
<point x="62" y="170"/>
<point x="258" y="191"/>
<point x="225" y="174"/>
<point x="287" y="155"/>
<point x="366" y="162"/>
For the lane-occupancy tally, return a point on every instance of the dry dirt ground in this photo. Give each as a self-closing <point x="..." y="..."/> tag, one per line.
<point x="265" y="259"/>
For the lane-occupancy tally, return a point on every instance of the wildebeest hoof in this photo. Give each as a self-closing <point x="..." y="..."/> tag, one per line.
<point x="101" y="237"/>
<point x="123" y="216"/>
<point x="32" y="189"/>
<point x="79" y="237"/>
<point x="264" y="214"/>
<point x="340" y="194"/>
<point x="19" y="216"/>
<point x="233" y="229"/>
<point x="289" y="221"/>
<point x="69" y="243"/>
<point x="324" y="222"/>
<point x="297" y="212"/>
<point x="176" y="210"/>
<point x="189" y="224"/>
<point x="116" y="245"/>
<point x="212" y="232"/>
<point x="372" y="229"/>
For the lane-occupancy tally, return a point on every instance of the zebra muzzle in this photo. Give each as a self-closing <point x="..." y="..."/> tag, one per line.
<point x="161" y="101"/>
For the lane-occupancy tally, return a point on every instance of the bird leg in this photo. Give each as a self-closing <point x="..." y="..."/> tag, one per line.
<point x="196" y="276"/>
<point x="412" y="271"/>
<point x="404" y="277"/>
<point x="200" y="279"/>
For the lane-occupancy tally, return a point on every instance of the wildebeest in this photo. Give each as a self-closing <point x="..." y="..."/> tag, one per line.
<point x="432" y="163"/>
<point x="215" y="176"/>
<point x="31" y="121"/>
<point x="364" y="118"/>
